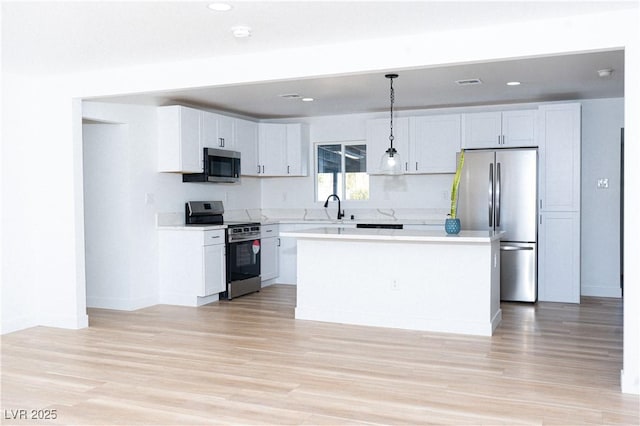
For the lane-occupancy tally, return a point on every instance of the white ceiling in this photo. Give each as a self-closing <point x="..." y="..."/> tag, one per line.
<point x="61" y="37"/>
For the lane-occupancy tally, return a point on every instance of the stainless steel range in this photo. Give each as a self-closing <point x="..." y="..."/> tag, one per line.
<point x="243" y="259"/>
<point x="242" y="246"/>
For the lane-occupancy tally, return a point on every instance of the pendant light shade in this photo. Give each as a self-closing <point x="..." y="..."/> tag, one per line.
<point x="390" y="163"/>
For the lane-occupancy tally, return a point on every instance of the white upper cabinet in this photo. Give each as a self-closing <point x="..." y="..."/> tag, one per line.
<point x="283" y="149"/>
<point x="297" y="149"/>
<point x="560" y="142"/>
<point x="246" y="141"/>
<point x="378" y="142"/>
<point x="179" y="144"/>
<point x="508" y="129"/>
<point x="272" y="149"/>
<point x="182" y="134"/>
<point x="217" y="131"/>
<point x="433" y="143"/>
<point x="426" y="144"/>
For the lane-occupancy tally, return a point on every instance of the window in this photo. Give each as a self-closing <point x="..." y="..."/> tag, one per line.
<point x="342" y="170"/>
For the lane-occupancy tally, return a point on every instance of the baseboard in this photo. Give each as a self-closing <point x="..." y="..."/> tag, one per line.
<point x="16" y="324"/>
<point x="629" y="384"/>
<point x="600" y="291"/>
<point x="120" y="304"/>
<point x="69" y="322"/>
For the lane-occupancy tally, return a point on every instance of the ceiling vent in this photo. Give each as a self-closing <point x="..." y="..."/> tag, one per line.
<point x="468" y="82"/>
<point x="290" y="96"/>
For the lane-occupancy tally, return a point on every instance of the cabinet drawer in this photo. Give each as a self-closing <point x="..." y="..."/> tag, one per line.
<point x="268" y="231"/>
<point x="213" y="237"/>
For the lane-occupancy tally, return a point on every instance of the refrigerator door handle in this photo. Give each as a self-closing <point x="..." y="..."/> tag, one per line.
<point x="491" y="195"/>
<point x="498" y="185"/>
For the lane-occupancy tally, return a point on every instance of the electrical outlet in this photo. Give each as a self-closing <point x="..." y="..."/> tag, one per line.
<point x="149" y="198"/>
<point x="394" y="285"/>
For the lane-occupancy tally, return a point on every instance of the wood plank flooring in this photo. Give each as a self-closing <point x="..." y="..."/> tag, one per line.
<point x="249" y="362"/>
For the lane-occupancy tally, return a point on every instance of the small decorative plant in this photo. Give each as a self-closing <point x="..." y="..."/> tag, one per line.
<point x="454" y="187"/>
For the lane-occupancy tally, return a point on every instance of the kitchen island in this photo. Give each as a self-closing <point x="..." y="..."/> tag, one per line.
<point x="418" y="280"/>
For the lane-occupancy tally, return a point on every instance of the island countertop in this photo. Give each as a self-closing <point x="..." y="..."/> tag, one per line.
<point x="403" y="235"/>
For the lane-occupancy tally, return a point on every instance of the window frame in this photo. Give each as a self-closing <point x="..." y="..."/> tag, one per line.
<point x="342" y="167"/>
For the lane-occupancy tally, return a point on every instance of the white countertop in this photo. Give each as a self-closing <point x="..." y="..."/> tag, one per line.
<point x="191" y="227"/>
<point x="326" y="233"/>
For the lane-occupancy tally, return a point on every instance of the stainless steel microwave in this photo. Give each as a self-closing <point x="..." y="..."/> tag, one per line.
<point x="219" y="165"/>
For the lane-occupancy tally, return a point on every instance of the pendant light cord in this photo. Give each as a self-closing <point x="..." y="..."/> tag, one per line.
<point x="392" y="98"/>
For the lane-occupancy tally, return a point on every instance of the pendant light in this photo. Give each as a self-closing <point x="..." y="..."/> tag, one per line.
<point x="391" y="164"/>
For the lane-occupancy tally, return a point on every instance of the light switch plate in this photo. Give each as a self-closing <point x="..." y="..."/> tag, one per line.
<point x="603" y="183"/>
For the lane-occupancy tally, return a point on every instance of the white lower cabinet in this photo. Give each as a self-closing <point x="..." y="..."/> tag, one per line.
<point x="559" y="257"/>
<point x="192" y="267"/>
<point x="270" y="245"/>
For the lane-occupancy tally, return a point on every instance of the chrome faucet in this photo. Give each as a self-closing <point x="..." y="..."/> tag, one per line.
<point x="326" y="204"/>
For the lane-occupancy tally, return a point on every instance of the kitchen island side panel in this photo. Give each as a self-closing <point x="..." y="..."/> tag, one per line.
<point x="442" y="287"/>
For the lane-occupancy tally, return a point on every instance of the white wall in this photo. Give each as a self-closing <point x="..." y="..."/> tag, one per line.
<point x="123" y="194"/>
<point x="600" y="214"/>
<point x="42" y="120"/>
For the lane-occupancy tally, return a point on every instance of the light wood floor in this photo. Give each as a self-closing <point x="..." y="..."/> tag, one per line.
<point x="249" y="362"/>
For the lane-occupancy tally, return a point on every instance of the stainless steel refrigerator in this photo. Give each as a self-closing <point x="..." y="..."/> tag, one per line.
<point x="499" y="191"/>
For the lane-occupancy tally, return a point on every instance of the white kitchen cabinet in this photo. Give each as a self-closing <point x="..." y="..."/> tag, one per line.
<point x="272" y="149"/>
<point x="246" y="141"/>
<point x="179" y="144"/>
<point x="297" y="149"/>
<point x="433" y="143"/>
<point x="506" y="129"/>
<point x="560" y="141"/>
<point x="559" y="257"/>
<point x="283" y="149"/>
<point x="217" y="131"/>
<point x="214" y="270"/>
<point x="378" y="142"/>
<point x="559" y="203"/>
<point x="269" y="260"/>
<point x="192" y="267"/>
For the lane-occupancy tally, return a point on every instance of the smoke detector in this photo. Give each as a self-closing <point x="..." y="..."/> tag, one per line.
<point x="605" y="73"/>
<point x="241" y="31"/>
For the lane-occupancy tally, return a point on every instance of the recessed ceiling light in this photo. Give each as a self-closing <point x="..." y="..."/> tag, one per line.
<point x="241" y="31"/>
<point x="220" y="7"/>
<point x="513" y="83"/>
<point x="307" y="99"/>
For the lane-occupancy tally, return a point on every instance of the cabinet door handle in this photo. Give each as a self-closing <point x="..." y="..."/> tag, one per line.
<point x="416" y="166"/>
<point x="499" y="143"/>
<point x="258" y="168"/>
<point x="269" y="230"/>
<point x="217" y="236"/>
<point x="278" y="241"/>
<point x="262" y="169"/>
<point x="288" y="170"/>
<point x="406" y="166"/>
<point x="515" y="248"/>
